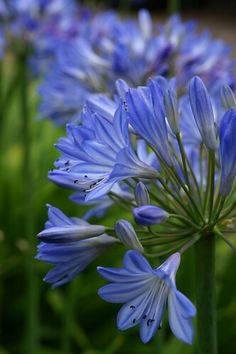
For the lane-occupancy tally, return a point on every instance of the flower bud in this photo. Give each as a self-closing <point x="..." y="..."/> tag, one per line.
<point x="227" y="97"/>
<point x="171" y="108"/>
<point x="70" y="233"/>
<point x="127" y="235"/>
<point x="203" y="112"/>
<point x="145" y="23"/>
<point x="227" y="134"/>
<point x="121" y="88"/>
<point x="141" y="194"/>
<point x="149" y="215"/>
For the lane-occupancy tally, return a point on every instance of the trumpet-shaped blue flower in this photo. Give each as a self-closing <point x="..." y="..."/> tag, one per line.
<point x="145" y="293"/>
<point x="97" y="155"/>
<point x="69" y="246"/>
<point x="227" y="133"/>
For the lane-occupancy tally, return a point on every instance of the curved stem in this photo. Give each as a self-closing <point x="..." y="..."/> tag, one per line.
<point x="205" y="294"/>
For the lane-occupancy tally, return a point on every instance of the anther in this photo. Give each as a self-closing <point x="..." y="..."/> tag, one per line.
<point x="149" y="321"/>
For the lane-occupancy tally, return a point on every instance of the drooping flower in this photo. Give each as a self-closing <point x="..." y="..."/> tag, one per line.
<point x="145" y="293"/>
<point x="69" y="244"/>
<point x="227" y="134"/>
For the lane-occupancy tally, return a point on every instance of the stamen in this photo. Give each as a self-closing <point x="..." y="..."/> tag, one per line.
<point x="149" y="321"/>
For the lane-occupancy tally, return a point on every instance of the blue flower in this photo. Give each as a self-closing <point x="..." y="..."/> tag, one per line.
<point x="227" y="133"/>
<point x="61" y="245"/>
<point x="149" y="215"/>
<point x="97" y="155"/>
<point x="147" y="116"/>
<point x="203" y="112"/>
<point x="145" y="292"/>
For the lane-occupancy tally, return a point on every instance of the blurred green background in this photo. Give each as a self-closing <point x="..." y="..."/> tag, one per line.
<point x="72" y="319"/>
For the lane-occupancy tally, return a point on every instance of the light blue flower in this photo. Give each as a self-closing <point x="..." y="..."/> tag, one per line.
<point x="67" y="230"/>
<point x="98" y="154"/>
<point x="147" y="116"/>
<point x="145" y="292"/>
<point x="171" y="108"/>
<point x="203" y="112"/>
<point x="227" y="134"/>
<point x="68" y="254"/>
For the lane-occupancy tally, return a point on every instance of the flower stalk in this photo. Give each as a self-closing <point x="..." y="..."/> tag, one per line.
<point x="205" y="294"/>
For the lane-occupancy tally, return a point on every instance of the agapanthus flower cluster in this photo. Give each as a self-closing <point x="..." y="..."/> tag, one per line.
<point x="36" y="26"/>
<point x="134" y="50"/>
<point x="168" y="159"/>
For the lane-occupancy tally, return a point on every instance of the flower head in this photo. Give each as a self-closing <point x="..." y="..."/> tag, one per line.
<point x="145" y="293"/>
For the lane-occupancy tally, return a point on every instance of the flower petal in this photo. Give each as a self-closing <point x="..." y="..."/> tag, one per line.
<point x="180" y="312"/>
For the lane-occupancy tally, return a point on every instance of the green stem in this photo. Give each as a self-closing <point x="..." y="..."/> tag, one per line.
<point x="205" y="294"/>
<point x="191" y="199"/>
<point x="212" y="182"/>
<point x="201" y="170"/>
<point x="183" y="157"/>
<point x="32" y="291"/>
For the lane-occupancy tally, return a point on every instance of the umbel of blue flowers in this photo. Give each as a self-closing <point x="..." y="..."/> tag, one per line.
<point x="167" y="159"/>
<point x="132" y="49"/>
